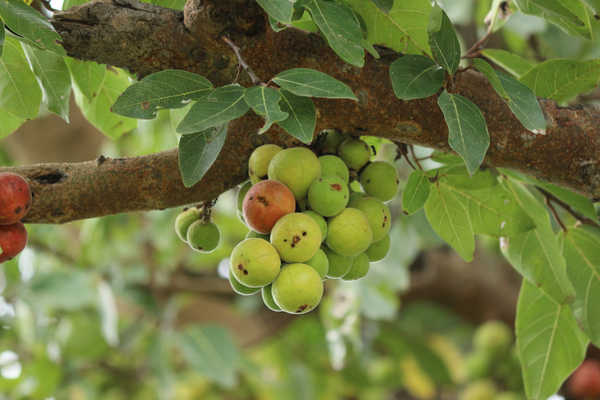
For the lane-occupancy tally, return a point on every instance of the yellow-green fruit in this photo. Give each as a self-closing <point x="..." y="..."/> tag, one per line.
<point x="493" y="338"/>
<point x="356" y="195"/>
<point x="380" y="179"/>
<point x="239" y="288"/>
<point x="378" y="250"/>
<point x="320" y="263"/>
<point x="241" y="193"/>
<point x="258" y="164"/>
<point x="360" y="268"/>
<point x="349" y="233"/>
<point x="332" y="165"/>
<point x="297" y="168"/>
<point x="255" y="262"/>
<point x="267" y="296"/>
<point x="355" y="153"/>
<point x="478" y="365"/>
<point x="330" y="140"/>
<point x="320" y="221"/>
<point x="296" y="237"/>
<point x="298" y="288"/>
<point x="255" y="235"/>
<point x="328" y="195"/>
<point x="184" y="220"/>
<point x="377" y="213"/>
<point x="478" y="390"/>
<point x="338" y="265"/>
<point x="203" y="236"/>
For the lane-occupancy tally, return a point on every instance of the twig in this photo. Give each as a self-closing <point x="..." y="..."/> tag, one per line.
<point x="242" y="62"/>
<point x="477" y="45"/>
<point x="402" y="150"/>
<point x="584" y="220"/>
<point x="551" y="207"/>
<point x="414" y="156"/>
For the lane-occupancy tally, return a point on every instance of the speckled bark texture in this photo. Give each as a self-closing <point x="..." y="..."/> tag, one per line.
<point x="143" y="38"/>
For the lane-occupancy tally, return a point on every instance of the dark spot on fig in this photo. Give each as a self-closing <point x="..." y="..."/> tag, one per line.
<point x="320" y="179"/>
<point x="368" y="180"/>
<point x="336" y="186"/>
<point x="296" y="239"/>
<point x="303" y="233"/>
<point x="199" y="248"/>
<point x="240" y="266"/>
<point x="302" y="308"/>
<point x="397" y="181"/>
<point x="18" y="210"/>
<point x="285" y="240"/>
<point x="292" y="245"/>
<point x="251" y="172"/>
<point x="245" y="272"/>
<point x="262" y="200"/>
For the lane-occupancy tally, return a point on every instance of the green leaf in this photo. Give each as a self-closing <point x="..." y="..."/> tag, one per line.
<point x="593" y="5"/>
<point x="197" y="153"/>
<point x="369" y="47"/>
<point x="403" y="28"/>
<point x="8" y="123"/>
<point x="535" y="254"/>
<point x="29" y="23"/>
<point x="549" y="343"/>
<point x="416" y="192"/>
<point x="521" y="99"/>
<point x="415" y="77"/>
<point x="561" y="80"/>
<point x="341" y="29"/>
<point x="576" y="201"/>
<point x="449" y="219"/>
<point x="384" y="5"/>
<point x="311" y="83"/>
<point x="446" y="158"/>
<point x="275" y="25"/>
<point x="302" y="117"/>
<point x="173" y="4"/>
<point x="556" y="9"/>
<point x="281" y="10"/>
<point x="493" y="211"/>
<point x="68" y="290"/>
<point x="264" y="101"/>
<point x="580" y="249"/>
<point x="20" y="93"/>
<point x="53" y="76"/>
<point x="97" y="111"/>
<point x="511" y="63"/>
<point x="222" y="105"/>
<point x="210" y="350"/>
<point x="443" y="40"/>
<point x="87" y="75"/>
<point x="162" y="90"/>
<point x="458" y="177"/>
<point x="468" y="133"/>
<point x="2" y="35"/>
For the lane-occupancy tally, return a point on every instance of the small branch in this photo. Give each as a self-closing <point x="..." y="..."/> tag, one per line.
<point x="478" y="44"/>
<point x="582" y="218"/>
<point x="242" y="62"/>
<point x="402" y="149"/>
<point x="414" y="156"/>
<point x="555" y="214"/>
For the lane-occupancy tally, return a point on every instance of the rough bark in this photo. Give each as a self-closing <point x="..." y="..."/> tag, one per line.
<point x="143" y="38"/>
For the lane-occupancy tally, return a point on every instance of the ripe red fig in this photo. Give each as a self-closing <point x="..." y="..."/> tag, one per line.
<point x="15" y="198"/>
<point x="13" y="239"/>
<point x="265" y="203"/>
<point x="584" y="383"/>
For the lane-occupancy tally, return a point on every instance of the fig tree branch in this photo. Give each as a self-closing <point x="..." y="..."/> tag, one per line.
<point x="144" y="38"/>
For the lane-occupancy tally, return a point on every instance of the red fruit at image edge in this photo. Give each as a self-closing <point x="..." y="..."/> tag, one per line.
<point x="265" y="203"/>
<point x="15" y="198"/>
<point x="13" y="239"/>
<point x="584" y="382"/>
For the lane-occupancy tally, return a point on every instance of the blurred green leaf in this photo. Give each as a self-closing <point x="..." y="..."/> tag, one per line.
<point x="415" y="76"/>
<point x="443" y="40"/>
<point x="20" y="93"/>
<point x="310" y="83"/>
<point x="302" y="116"/>
<point x="416" y="192"/>
<point x="197" y="153"/>
<point x="556" y="9"/>
<point x="70" y="290"/>
<point x="8" y="123"/>
<point x="87" y="75"/>
<point x="511" y="63"/>
<point x="593" y="5"/>
<point x="264" y="101"/>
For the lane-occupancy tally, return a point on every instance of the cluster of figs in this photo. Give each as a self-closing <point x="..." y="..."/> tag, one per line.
<point x="15" y="201"/>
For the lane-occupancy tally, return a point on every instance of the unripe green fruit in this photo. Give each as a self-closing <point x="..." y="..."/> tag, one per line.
<point x="184" y="220"/>
<point x="267" y="296"/>
<point x="356" y="195"/>
<point x="241" y="193"/>
<point x="360" y="268"/>
<point x="338" y="265"/>
<point x="255" y="262"/>
<point x="297" y="289"/>
<point x="478" y="365"/>
<point x="479" y="390"/>
<point x="241" y="217"/>
<point x="296" y="237"/>
<point x="297" y="168"/>
<point x="378" y="250"/>
<point x="320" y="221"/>
<point x="328" y="195"/>
<point x="377" y="213"/>
<point x="355" y="153"/>
<point x="255" y="235"/>
<point x="320" y="263"/>
<point x="493" y="338"/>
<point x="330" y="140"/>
<point x="203" y="236"/>
<point x="258" y="164"/>
<point x="349" y="233"/>
<point x="332" y="165"/>
<point x="380" y="179"/>
<point x="239" y="288"/>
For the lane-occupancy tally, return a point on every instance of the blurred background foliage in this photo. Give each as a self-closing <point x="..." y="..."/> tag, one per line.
<point x="120" y="308"/>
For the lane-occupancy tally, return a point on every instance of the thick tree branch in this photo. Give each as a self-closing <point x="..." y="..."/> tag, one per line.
<point x="144" y="39"/>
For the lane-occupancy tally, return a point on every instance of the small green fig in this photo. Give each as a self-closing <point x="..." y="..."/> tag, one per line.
<point x="258" y="164"/>
<point x="338" y="265"/>
<point x="320" y="263"/>
<point x="297" y="168"/>
<point x="378" y="250"/>
<point x="184" y="220"/>
<point x="267" y="296"/>
<point x="332" y="165"/>
<point x="493" y="338"/>
<point x="239" y="288"/>
<point x="241" y="193"/>
<point x="255" y="262"/>
<point x="328" y="195"/>
<point x="255" y="235"/>
<point x="360" y="268"/>
<point x="355" y="195"/>
<point x="377" y="213"/>
<point x="297" y="289"/>
<point x="329" y="140"/>
<point x="380" y="179"/>
<point x="479" y="390"/>
<point x="355" y="153"/>
<point x="349" y="233"/>
<point x="320" y="221"/>
<point x="296" y="237"/>
<point x="203" y="236"/>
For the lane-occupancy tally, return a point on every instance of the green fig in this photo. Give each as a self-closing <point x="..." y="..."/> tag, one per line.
<point x="258" y="164"/>
<point x="380" y="179"/>
<point x="320" y="263"/>
<point x="297" y="168"/>
<point x="349" y="233"/>
<point x="296" y="237"/>
<point x="328" y="195"/>
<point x="378" y="250"/>
<point x="338" y="265"/>
<point x="203" y="236"/>
<point x="184" y="220"/>
<point x="332" y="165"/>
<point x="239" y="288"/>
<point x="255" y="262"/>
<point x="297" y="289"/>
<point x="377" y="213"/>
<point x="320" y="221"/>
<point x="355" y="153"/>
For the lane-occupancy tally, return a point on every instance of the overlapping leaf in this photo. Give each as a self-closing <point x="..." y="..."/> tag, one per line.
<point x="311" y="83"/>
<point x="468" y="133"/>
<point x="264" y="101"/>
<point x="561" y="80"/>
<point x="8" y="123"/>
<point x="281" y="10"/>
<point x="443" y="40"/>
<point x="340" y="27"/>
<point x="20" y="93"/>
<point x="511" y="63"/>
<point x="458" y="176"/>
<point x="576" y="201"/>
<point x="549" y="342"/>
<point x="223" y="104"/>
<point x="53" y="76"/>
<point x="87" y="75"/>
<point x="416" y="192"/>
<point x="29" y="23"/>
<point x="197" y="152"/>
<point x="2" y="36"/>
<point x="574" y="21"/>
<point x="302" y="116"/>
<point x="162" y="90"/>
<point x="580" y="249"/>
<point x="415" y="77"/>
<point x="593" y="5"/>
<point x="384" y="5"/>
<point x="556" y="9"/>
